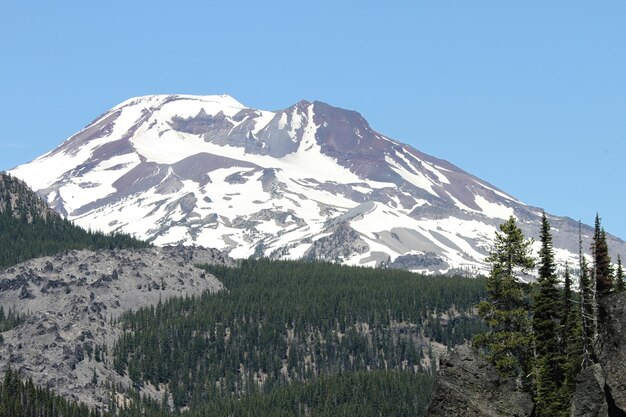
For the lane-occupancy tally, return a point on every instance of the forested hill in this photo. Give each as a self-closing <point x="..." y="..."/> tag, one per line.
<point x="307" y="334"/>
<point x="281" y="339"/>
<point x="30" y="229"/>
<point x="17" y="199"/>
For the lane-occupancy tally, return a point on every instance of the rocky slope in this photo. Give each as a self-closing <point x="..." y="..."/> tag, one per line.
<point x="311" y="180"/>
<point x="71" y="301"/>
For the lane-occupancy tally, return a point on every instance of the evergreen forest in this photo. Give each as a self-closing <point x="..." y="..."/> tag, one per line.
<point x="286" y="338"/>
<point x="283" y="325"/>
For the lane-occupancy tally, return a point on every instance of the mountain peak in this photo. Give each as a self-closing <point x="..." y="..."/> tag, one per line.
<point x="308" y="179"/>
<point x="157" y="100"/>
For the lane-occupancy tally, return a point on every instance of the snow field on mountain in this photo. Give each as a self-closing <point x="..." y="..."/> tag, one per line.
<point x="132" y="171"/>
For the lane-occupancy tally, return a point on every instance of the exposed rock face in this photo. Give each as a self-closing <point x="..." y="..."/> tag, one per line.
<point x="71" y="301"/>
<point x="589" y="399"/>
<point x="419" y="261"/>
<point x="468" y="386"/>
<point x="342" y="243"/>
<point x="601" y="389"/>
<point x="612" y="354"/>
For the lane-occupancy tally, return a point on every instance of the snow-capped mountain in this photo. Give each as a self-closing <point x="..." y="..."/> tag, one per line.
<point x="311" y="181"/>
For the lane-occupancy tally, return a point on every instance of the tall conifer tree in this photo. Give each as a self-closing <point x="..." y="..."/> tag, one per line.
<point x="587" y="289"/>
<point x="602" y="272"/>
<point x="568" y="312"/>
<point x="620" y="285"/>
<point x="570" y="340"/>
<point x="548" y="371"/>
<point x="508" y="344"/>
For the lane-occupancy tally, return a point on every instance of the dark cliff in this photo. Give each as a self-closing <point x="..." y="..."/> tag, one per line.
<point x="469" y="386"/>
<point x="601" y="389"/>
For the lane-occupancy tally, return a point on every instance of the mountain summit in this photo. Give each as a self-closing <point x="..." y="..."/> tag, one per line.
<point x="311" y="181"/>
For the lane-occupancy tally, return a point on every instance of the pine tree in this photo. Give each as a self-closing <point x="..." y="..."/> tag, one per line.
<point x="620" y="285"/>
<point x="602" y="272"/>
<point x="588" y="304"/>
<point x="568" y="312"/>
<point x="508" y="344"/>
<point x="547" y="309"/>
<point x="546" y="306"/>
<point x="570" y="341"/>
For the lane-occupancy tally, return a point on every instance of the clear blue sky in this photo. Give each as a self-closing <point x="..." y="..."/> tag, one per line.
<point x="530" y="96"/>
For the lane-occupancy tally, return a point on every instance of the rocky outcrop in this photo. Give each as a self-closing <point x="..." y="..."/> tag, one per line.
<point x="18" y="199"/>
<point x="468" y="386"/>
<point x="341" y="244"/>
<point x="601" y="389"/>
<point x="71" y="302"/>
<point x="589" y="399"/>
<point x="427" y="260"/>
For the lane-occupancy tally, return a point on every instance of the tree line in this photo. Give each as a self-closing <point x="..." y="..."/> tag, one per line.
<point x="20" y="398"/>
<point x="401" y="394"/>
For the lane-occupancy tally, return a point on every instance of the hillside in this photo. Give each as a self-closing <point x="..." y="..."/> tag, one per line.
<point x="30" y="229"/>
<point x="69" y="303"/>
<point x="113" y="327"/>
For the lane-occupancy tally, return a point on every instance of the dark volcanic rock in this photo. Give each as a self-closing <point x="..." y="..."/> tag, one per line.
<point x="612" y="353"/>
<point x="341" y="244"/>
<point x="468" y="385"/>
<point x="589" y="399"/>
<point x="601" y="389"/>
<point x="416" y="261"/>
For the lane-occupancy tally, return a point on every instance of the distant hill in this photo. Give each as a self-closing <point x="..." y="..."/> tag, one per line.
<point x="30" y="229"/>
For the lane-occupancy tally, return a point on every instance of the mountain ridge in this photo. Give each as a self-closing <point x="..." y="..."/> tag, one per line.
<point x="207" y="170"/>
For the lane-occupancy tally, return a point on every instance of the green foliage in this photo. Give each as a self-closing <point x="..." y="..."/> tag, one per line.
<point x="571" y="334"/>
<point x="280" y="323"/>
<point x="28" y="229"/>
<point x="549" y="397"/>
<point x="564" y="324"/>
<point x="602" y="271"/>
<point x="511" y="252"/>
<point x="378" y="393"/>
<point x="353" y="394"/>
<point x="546" y="307"/>
<point x="326" y="340"/>
<point x="508" y="344"/>
<point x="19" y="398"/>
<point x="587" y="302"/>
<point x="547" y="369"/>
